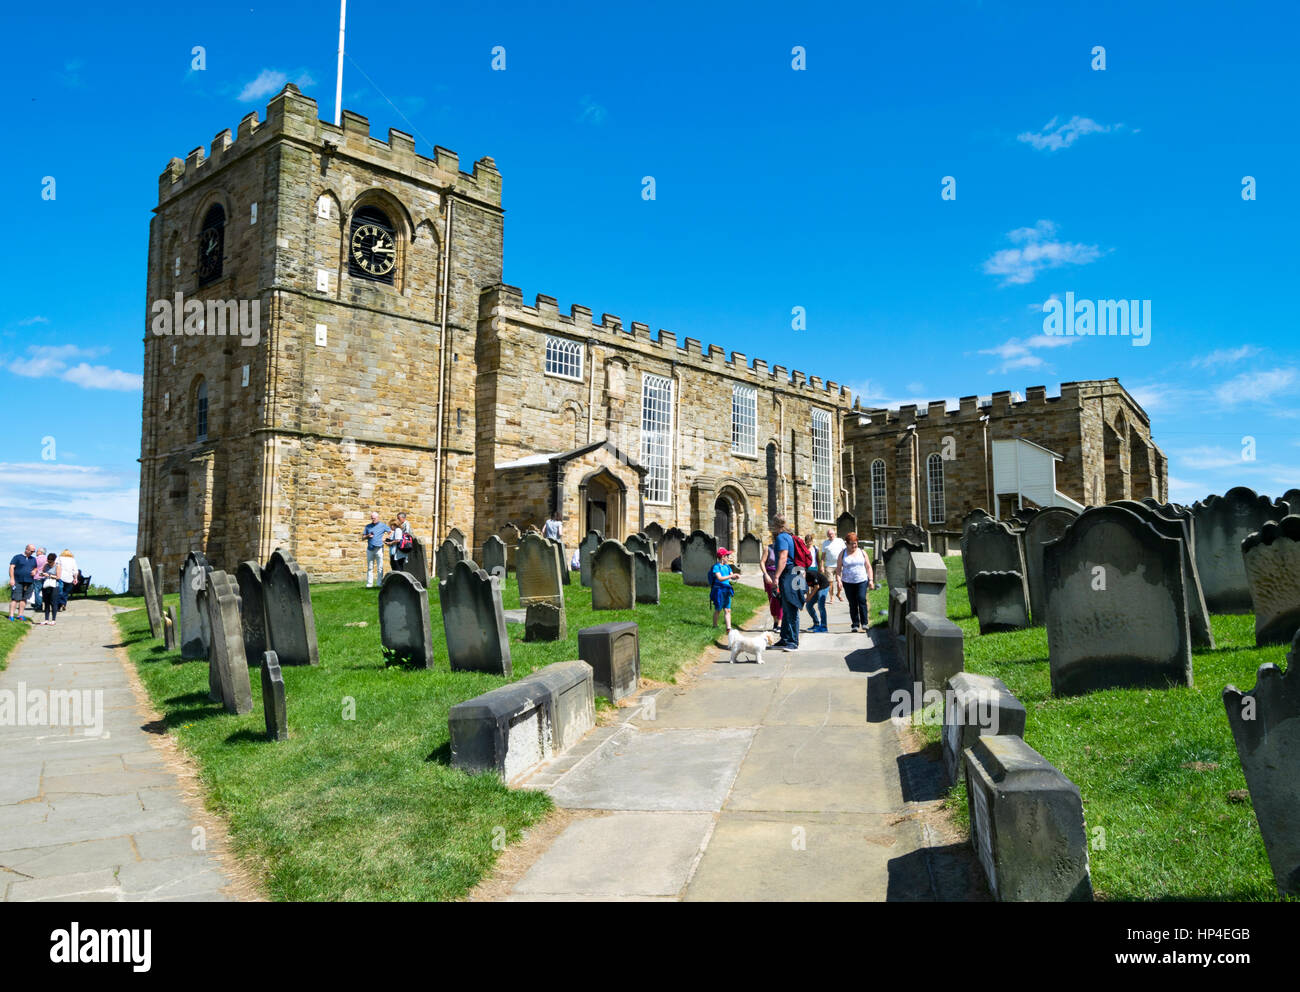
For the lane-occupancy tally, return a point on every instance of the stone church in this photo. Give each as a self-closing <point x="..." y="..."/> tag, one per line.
<point x="390" y="368"/>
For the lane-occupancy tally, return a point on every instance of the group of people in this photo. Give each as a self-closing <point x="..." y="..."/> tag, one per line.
<point x="395" y="536"/>
<point x="42" y="580"/>
<point x="800" y="574"/>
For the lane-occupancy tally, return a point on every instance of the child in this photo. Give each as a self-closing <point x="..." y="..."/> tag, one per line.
<point x="721" y="579"/>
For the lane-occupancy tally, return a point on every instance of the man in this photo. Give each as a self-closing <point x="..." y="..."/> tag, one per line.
<point x="21" y="570"/>
<point x="790" y="580"/>
<point x="552" y="527"/>
<point x="832" y="548"/>
<point x="373" y="535"/>
<point x="394" y="540"/>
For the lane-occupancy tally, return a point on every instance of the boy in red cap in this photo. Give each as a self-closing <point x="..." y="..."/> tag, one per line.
<point x="721" y="578"/>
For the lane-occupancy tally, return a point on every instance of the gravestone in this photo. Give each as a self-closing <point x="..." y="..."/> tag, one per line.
<point x="613" y="650"/>
<point x="228" y="661"/>
<point x="1043" y="529"/>
<point x="273" y="708"/>
<point x="976" y="706"/>
<point x="1266" y="729"/>
<point x="655" y="532"/>
<point x="646" y="575"/>
<point x="1116" y="605"/>
<point x="750" y="551"/>
<point x="845" y="523"/>
<point x="194" y="642"/>
<point x="545" y="622"/>
<point x="639" y="542"/>
<point x="159" y="585"/>
<point x="134" y="584"/>
<point x="585" y="550"/>
<point x="512" y="536"/>
<point x="897" y="612"/>
<point x="152" y="601"/>
<point x="999" y="601"/>
<point x="913" y="534"/>
<point x="473" y="621"/>
<point x="994" y="546"/>
<point x="252" y="610"/>
<point x="493" y="556"/>
<point x="537" y="572"/>
<point x="214" y="679"/>
<point x="670" y="549"/>
<point x="561" y="560"/>
<point x="1292" y="499"/>
<point x="290" y="620"/>
<point x="169" y="630"/>
<point x="455" y="534"/>
<point x="1222" y="523"/>
<point x="571" y="699"/>
<point x="613" y="582"/>
<point x="967" y="525"/>
<point x="897" y="562"/>
<point x="404" y="628"/>
<point x="927" y="584"/>
<point x="699" y="555"/>
<point x="1272" y="558"/>
<point x="1181" y="529"/>
<point x="417" y="562"/>
<point x="449" y="552"/>
<point x="934" y="650"/>
<point x="1026" y="823"/>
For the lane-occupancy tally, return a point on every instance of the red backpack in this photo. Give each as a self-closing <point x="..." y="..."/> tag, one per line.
<point x="802" y="557"/>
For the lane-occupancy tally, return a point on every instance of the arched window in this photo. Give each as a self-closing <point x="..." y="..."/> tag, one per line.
<point x="563" y="357"/>
<point x="934" y="476"/>
<point x="212" y="244"/>
<point x="657" y="436"/>
<point x="201" y="410"/>
<point x="744" y="420"/>
<point x="372" y="246"/>
<point x="879" y="495"/>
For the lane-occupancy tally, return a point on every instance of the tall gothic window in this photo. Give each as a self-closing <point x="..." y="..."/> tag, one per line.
<point x="212" y="244"/>
<point x="657" y="436"/>
<point x="934" y="475"/>
<point x="201" y="411"/>
<point x="821" y="456"/>
<point x="744" y="420"/>
<point x="879" y="495"/>
<point x="563" y="357"/>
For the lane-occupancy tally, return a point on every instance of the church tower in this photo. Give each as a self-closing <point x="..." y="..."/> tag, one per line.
<point x="313" y="295"/>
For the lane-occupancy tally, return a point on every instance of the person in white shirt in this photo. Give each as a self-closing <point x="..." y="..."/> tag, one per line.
<point x="70" y="576"/>
<point x="552" y="527"/>
<point x="832" y="548"/>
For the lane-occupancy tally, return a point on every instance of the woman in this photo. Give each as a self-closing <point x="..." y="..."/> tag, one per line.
<point x="48" y="578"/>
<point x="854" y="571"/>
<point x="70" y="577"/>
<point x="773" y="593"/>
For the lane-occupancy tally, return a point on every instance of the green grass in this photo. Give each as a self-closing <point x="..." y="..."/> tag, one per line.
<point x="1169" y="831"/>
<point x="11" y="632"/>
<point x="368" y="808"/>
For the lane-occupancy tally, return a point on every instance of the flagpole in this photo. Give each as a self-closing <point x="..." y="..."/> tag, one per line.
<point x="338" y="86"/>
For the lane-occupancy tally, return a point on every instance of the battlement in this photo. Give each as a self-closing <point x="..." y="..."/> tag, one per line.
<point x="508" y="302"/>
<point x="971" y="408"/>
<point x="292" y="116"/>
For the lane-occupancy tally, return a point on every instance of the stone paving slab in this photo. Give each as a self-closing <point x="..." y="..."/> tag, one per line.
<point x="815" y="702"/>
<point x="716" y="704"/>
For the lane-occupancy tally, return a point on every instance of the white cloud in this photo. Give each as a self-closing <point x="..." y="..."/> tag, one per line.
<point x="1053" y="137"/>
<point x="1225" y="356"/>
<point x="33" y="320"/>
<point x="1255" y="387"/>
<point x="870" y="394"/>
<point x="1018" y="353"/>
<point x="270" y="82"/>
<point x="591" y="112"/>
<point x="51" y="361"/>
<point x="1038" y="250"/>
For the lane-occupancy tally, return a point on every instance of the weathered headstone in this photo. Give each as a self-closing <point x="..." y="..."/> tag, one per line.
<point x="585" y="550"/>
<point x="537" y="572"/>
<point x="228" y="659"/>
<point x="994" y="547"/>
<point x="252" y="608"/>
<point x="1292" y="499"/>
<point x="473" y="621"/>
<point x="545" y="622"/>
<point x="934" y="650"/>
<point x="561" y="560"/>
<point x="967" y="525"/>
<point x="927" y="584"/>
<point x="750" y="551"/>
<point x="449" y="552"/>
<point x="670" y="548"/>
<point x="290" y="620"/>
<point x="417" y="562"/>
<point x="571" y="699"/>
<point x="699" y="555"/>
<point x="639" y="542"/>
<point x="134" y="584"/>
<point x="1222" y="523"/>
<point x="613" y="650"/>
<point x="457" y="535"/>
<point x="493" y="556"/>
<point x="897" y="612"/>
<point x="976" y="706"/>
<point x="1181" y="528"/>
<point x="194" y="643"/>
<point x="404" y="629"/>
<point x="1116" y="605"/>
<point x="169" y="629"/>
<point x="273" y="707"/>
<point x="512" y="535"/>
<point x="914" y="534"/>
<point x="999" y="601"/>
<point x="1026" y="823"/>
<point x="1266" y="729"/>
<point x="845" y="523"/>
<point x="152" y="601"/>
<point x="159" y="585"/>
<point x="646" y="574"/>
<point x="1043" y="529"/>
<point x="898" y="559"/>
<point x="1272" y="558"/>
<point x="613" y="582"/>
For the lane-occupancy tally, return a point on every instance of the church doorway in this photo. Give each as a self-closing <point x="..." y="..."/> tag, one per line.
<point x="603" y="502"/>
<point x="722" y="520"/>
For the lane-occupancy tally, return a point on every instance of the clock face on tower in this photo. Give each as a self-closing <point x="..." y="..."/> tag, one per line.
<point x="372" y="249"/>
<point x="210" y="254"/>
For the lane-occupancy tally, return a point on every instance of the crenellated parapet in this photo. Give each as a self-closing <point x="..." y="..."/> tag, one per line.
<point x="972" y="408"/>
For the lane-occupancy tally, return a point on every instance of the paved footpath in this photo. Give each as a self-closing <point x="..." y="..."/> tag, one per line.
<point x="755" y="782"/>
<point x="91" y="818"/>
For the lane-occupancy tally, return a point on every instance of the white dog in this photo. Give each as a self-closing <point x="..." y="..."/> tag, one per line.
<point x="750" y="643"/>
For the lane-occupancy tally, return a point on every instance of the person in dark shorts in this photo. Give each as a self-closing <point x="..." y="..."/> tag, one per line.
<point x="22" y="572"/>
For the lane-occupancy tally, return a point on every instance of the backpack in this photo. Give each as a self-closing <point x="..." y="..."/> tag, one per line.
<point x="404" y="541"/>
<point x="802" y="557"/>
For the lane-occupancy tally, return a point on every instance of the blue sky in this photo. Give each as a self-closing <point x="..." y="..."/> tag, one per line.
<point x="774" y="189"/>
